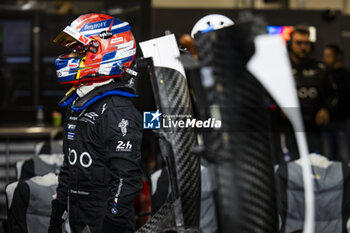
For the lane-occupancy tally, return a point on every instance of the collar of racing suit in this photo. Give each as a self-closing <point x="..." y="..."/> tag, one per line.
<point x="87" y="95"/>
<point x="85" y="89"/>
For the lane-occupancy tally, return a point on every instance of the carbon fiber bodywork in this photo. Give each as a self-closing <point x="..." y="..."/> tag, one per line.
<point x="172" y="98"/>
<point x="241" y="150"/>
<point x="163" y="219"/>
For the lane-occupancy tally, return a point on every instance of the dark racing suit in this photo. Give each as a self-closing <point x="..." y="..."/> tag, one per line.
<point x="101" y="174"/>
<point x="311" y="83"/>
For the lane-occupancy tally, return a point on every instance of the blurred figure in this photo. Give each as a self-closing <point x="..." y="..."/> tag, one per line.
<point x="187" y="42"/>
<point x="339" y="99"/>
<point x="205" y="24"/>
<point x="65" y="8"/>
<point x="310" y="82"/>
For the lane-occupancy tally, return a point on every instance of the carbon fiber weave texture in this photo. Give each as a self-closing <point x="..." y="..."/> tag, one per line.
<point x="163" y="219"/>
<point x="241" y="149"/>
<point x="175" y="100"/>
<point x="172" y="97"/>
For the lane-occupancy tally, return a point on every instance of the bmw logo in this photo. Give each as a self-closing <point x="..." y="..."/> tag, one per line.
<point x="114" y="210"/>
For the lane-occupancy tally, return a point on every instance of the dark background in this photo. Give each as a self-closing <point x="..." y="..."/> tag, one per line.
<point x="329" y="24"/>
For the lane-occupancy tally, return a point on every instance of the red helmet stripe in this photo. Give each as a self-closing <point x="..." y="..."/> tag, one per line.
<point x="110" y="26"/>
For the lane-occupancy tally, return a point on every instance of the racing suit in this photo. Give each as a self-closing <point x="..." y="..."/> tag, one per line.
<point x="101" y="174"/>
<point x="311" y="83"/>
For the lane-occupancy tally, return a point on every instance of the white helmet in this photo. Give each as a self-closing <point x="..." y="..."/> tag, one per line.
<point x="210" y="23"/>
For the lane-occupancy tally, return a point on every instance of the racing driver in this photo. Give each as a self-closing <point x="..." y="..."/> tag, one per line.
<point x="101" y="174"/>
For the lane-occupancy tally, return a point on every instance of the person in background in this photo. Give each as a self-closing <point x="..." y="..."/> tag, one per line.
<point x="310" y="80"/>
<point x="187" y="42"/>
<point x="339" y="100"/>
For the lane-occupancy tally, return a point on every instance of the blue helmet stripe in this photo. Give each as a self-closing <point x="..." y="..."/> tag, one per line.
<point x="127" y="59"/>
<point x="67" y="78"/>
<point x="115" y="69"/>
<point x="61" y="63"/>
<point x="109" y="56"/>
<point x="114" y="31"/>
<point x="117" y="21"/>
<point x="120" y="30"/>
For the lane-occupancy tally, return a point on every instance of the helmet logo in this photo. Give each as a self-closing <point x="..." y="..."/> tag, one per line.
<point x="83" y="39"/>
<point x="106" y="35"/>
<point x="116" y="40"/>
<point x="73" y="65"/>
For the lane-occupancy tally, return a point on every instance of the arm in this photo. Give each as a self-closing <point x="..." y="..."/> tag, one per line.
<point x="322" y="116"/>
<point x="59" y="204"/>
<point x="122" y="147"/>
<point x="63" y="176"/>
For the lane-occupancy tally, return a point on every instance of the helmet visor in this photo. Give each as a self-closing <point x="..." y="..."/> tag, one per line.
<point x="74" y="40"/>
<point x="71" y="38"/>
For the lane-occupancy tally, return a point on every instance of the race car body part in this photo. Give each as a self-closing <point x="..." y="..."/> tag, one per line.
<point x="172" y="98"/>
<point x="279" y="82"/>
<point x="240" y="151"/>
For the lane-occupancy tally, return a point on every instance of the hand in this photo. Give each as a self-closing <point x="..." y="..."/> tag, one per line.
<point x="322" y="117"/>
<point x="55" y="228"/>
<point x="58" y="216"/>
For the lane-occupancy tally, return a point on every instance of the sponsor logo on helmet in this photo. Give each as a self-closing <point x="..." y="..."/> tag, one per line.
<point x="73" y="65"/>
<point x="96" y="25"/>
<point x="106" y="34"/>
<point x="116" y="40"/>
<point x="83" y="39"/>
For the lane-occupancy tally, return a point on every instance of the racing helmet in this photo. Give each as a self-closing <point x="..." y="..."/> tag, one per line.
<point x="102" y="47"/>
<point x="210" y="23"/>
